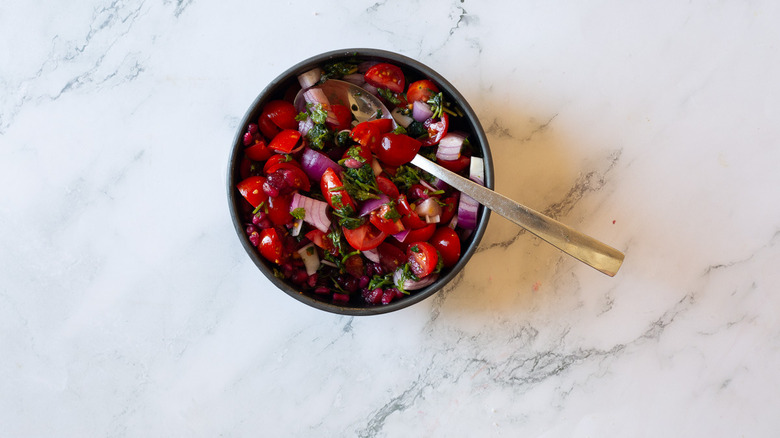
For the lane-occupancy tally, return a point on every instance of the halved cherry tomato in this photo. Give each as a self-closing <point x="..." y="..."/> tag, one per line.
<point x="421" y="90"/>
<point x="387" y="187"/>
<point x="366" y="134"/>
<point x="456" y="165"/>
<point x="281" y="113"/>
<point x="297" y="178"/>
<point x="267" y="127"/>
<point x="386" y="225"/>
<point x="252" y="189"/>
<point x="397" y="149"/>
<point x="271" y="165"/>
<point x="317" y="237"/>
<point x="384" y="75"/>
<point x="258" y="152"/>
<point x="446" y="241"/>
<point x="334" y="192"/>
<point x="422" y="258"/>
<point x="436" y="129"/>
<point x="245" y="168"/>
<point x="279" y="210"/>
<point x="449" y="208"/>
<point x="382" y="125"/>
<point x="364" y="237"/>
<point x="285" y="141"/>
<point x="271" y="246"/>
<point x="390" y="256"/>
<point x="363" y="151"/>
<point x="419" y="235"/>
<point x="343" y="117"/>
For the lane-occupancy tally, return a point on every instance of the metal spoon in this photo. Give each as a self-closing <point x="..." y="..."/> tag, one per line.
<point x="365" y="106"/>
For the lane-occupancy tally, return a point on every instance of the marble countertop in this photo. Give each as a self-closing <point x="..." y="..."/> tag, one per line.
<point x="129" y="308"/>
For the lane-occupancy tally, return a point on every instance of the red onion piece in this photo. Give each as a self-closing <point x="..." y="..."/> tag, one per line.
<point x="305" y="125"/>
<point x="400" y="118"/>
<point x="450" y="146"/>
<point x="372" y="204"/>
<point x="316" y="163"/>
<point x="477" y="170"/>
<point x="372" y="255"/>
<point x="311" y="260"/>
<point x="310" y="78"/>
<point x="468" y="207"/>
<point x="355" y="78"/>
<point x="428" y="208"/>
<point x="421" y="111"/>
<point x="365" y="65"/>
<point x="440" y="185"/>
<point x="353" y="163"/>
<point x="427" y="185"/>
<point x="411" y="284"/>
<point x="401" y="235"/>
<point x="315" y="96"/>
<point x="316" y="211"/>
<point x="370" y="88"/>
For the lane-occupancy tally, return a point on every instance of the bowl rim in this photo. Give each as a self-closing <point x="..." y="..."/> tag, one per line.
<point x="269" y="91"/>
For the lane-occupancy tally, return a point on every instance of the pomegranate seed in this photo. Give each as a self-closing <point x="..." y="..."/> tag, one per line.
<point x="342" y="298"/>
<point x="269" y="190"/>
<point x="322" y="290"/>
<point x="254" y="237"/>
<point x="248" y="139"/>
<point x="372" y="296"/>
<point x="299" y="277"/>
<point x="312" y="281"/>
<point x="387" y="296"/>
<point x="252" y="129"/>
<point x="287" y="270"/>
<point x="364" y="280"/>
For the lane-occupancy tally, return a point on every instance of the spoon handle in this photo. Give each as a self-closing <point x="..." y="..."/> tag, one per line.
<point x="584" y="248"/>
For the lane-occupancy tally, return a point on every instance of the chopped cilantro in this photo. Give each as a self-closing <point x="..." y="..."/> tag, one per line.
<point x="343" y="139"/>
<point x="318" y="135"/>
<point x="416" y="130"/>
<point x="360" y="183"/>
<point x="389" y="96"/>
<point x="400" y="130"/>
<point x="391" y="212"/>
<point x="406" y="176"/>
<point x="338" y="70"/>
<point x="380" y="281"/>
<point x="298" y="213"/>
<point x="414" y="248"/>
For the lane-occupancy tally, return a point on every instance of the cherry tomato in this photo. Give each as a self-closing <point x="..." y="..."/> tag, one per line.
<point x="281" y="113"/>
<point x="421" y="90"/>
<point x="297" y="177"/>
<point x="364" y="237"/>
<point x="419" y="235"/>
<point x="367" y="135"/>
<point x="258" y="152"/>
<point x="363" y="151"/>
<point x="409" y="217"/>
<point x="271" y="246"/>
<point x="422" y="258"/>
<point x="386" y="225"/>
<point x="397" y="149"/>
<point x="455" y="165"/>
<point x="382" y="125"/>
<point x="252" y="189"/>
<point x="446" y="241"/>
<point x="384" y="75"/>
<point x="267" y="127"/>
<point x="272" y="164"/>
<point x="390" y="257"/>
<point x="245" y="168"/>
<point x="285" y="141"/>
<point x="387" y="187"/>
<point x="317" y="237"/>
<point x="279" y="210"/>
<point x="343" y="117"/>
<point x="333" y="191"/>
<point x="449" y="208"/>
<point x="436" y="129"/>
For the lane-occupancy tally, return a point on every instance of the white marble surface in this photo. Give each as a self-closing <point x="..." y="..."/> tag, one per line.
<point x="128" y="307"/>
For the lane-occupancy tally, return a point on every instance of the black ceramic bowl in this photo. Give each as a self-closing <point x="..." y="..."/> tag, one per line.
<point x="287" y="83"/>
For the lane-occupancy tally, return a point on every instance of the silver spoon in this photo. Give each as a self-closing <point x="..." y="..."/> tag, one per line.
<point x="365" y="106"/>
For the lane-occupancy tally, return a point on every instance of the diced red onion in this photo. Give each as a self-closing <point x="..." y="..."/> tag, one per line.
<point x="315" y="96"/>
<point x="401" y="118"/>
<point x="305" y="125"/>
<point x="355" y="78"/>
<point x="421" y="111"/>
<point x="468" y="207"/>
<point x="401" y="235"/>
<point x="310" y="78"/>
<point x="450" y="146"/>
<point x="411" y="284"/>
<point x="429" y="208"/>
<point x="477" y="170"/>
<point x="370" y="88"/>
<point x="427" y="185"/>
<point x="311" y="260"/>
<point x="316" y="163"/>
<point x="328" y="263"/>
<point x="372" y="204"/>
<point x="372" y="255"/>
<point x="365" y="65"/>
<point x="432" y="219"/>
<point x="316" y="211"/>
<point x="440" y="185"/>
<point x="453" y="222"/>
<point x="296" y="229"/>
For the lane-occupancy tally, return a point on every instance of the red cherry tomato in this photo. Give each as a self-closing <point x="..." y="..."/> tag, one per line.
<point x="456" y="165"/>
<point x="296" y="176"/>
<point x="363" y="151"/>
<point x="450" y="208"/>
<point x="252" y="189"/>
<point x="383" y="223"/>
<point x="272" y="164"/>
<point x="245" y="168"/>
<point x="387" y="187"/>
<point x="366" y="134"/>
<point x="259" y="151"/>
<point x="343" y="117"/>
<point x="364" y="237"/>
<point x="421" y="90"/>
<point x="279" y="210"/>
<point x="384" y="75"/>
<point x="333" y="191"/>
<point x="422" y="258"/>
<point x="285" y="141"/>
<point x="382" y="125"/>
<point x="436" y="129"/>
<point x="419" y="235"/>
<point x="271" y="246"/>
<point x="267" y="127"/>
<point x="390" y="257"/>
<point x="397" y="149"/>
<point x="446" y="241"/>
<point x="281" y="113"/>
